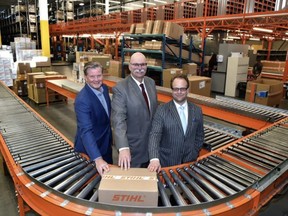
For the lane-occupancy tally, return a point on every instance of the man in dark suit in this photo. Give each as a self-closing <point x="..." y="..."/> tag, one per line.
<point x="132" y="114"/>
<point x="177" y="132"/>
<point x="93" y="109"/>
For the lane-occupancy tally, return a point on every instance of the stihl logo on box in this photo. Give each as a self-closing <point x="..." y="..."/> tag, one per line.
<point x="128" y="198"/>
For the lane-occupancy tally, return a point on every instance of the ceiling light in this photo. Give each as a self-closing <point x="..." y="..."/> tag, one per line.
<point x="98" y="3"/>
<point x="149" y="3"/>
<point x="116" y="2"/>
<point x="135" y="5"/>
<point x="234" y="37"/>
<point x="125" y="7"/>
<point x="164" y="2"/>
<point x="227" y="39"/>
<point x="81" y="4"/>
<point x="254" y="39"/>
<point x="263" y="29"/>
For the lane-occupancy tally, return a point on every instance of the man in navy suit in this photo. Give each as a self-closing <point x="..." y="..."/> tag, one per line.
<point x="172" y="140"/>
<point x="93" y="109"/>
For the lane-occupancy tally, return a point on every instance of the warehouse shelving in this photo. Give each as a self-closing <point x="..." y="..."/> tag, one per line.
<point x="165" y="53"/>
<point x="274" y="55"/>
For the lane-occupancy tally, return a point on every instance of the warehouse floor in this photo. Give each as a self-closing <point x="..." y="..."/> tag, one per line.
<point x="62" y="117"/>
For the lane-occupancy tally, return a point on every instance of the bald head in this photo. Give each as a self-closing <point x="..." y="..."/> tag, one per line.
<point x="137" y="57"/>
<point x="138" y="66"/>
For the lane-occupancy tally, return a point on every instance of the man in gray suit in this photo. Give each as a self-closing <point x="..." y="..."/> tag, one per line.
<point x="174" y="141"/>
<point x="133" y="107"/>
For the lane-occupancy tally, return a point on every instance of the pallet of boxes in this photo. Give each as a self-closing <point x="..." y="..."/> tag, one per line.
<point x="36" y="87"/>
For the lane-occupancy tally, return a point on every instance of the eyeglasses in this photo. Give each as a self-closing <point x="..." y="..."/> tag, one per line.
<point x="139" y="64"/>
<point x="179" y="89"/>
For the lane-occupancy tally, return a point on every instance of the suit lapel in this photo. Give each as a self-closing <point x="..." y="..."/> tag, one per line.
<point x="191" y="116"/>
<point x="175" y="115"/>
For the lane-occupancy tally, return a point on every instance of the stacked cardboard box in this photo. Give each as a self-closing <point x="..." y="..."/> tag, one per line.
<point x="39" y="90"/>
<point x="200" y="85"/>
<point x="273" y="89"/>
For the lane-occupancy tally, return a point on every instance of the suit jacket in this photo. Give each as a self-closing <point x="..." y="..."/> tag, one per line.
<point x="131" y="120"/>
<point x="167" y="140"/>
<point x="94" y="135"/>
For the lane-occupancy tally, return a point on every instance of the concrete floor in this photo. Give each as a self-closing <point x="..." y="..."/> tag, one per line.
<point x="62" y="117"/>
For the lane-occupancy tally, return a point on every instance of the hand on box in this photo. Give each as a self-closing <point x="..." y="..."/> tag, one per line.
<point x="124" y="159"/>
<point x="102" y="166"/>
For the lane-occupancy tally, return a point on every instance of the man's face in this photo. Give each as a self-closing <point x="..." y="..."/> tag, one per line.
<point x="138" y="67"/>
<point x="179" y="90"/>
<point x="94" y="78"/>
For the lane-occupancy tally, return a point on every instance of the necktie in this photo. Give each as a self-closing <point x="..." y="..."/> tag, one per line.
<point x="145" y="95"/>
<point x="103" y="102"/>
<point x="183" y="118"/>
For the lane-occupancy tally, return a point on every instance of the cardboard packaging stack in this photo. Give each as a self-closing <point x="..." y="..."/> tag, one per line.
<point x="6" y="67"/>
<point x="133" y="187"/>
<point x="37" y="90"/>
<point x="267" y="92"/>
<point x="20" y="83"/>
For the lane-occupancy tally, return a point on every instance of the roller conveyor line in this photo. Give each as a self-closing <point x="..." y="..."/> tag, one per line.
<point x="239" y="170"/>
<point x="253" y="110"/>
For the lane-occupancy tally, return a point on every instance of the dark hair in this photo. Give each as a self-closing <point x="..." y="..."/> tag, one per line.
<point x="179" y="76"/>
<point x="93" y="65"/>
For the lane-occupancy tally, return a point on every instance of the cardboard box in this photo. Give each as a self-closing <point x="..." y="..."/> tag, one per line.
<point x="149" y="26"/>
<point x="23" y="68"/>
<point x="168" y="74"/>
<point x="273" y="87"/>
<point x="133" y="187"/>
<point x="158" y="27"/>
<point x="115" y="68"/>
<point x="200" y="85"/>
<point x="140" y="28"/>
<point x="30" y="88"/>
<point x="173" y="30"/>
<point x="191" y="69"/>
<point x="103" y="60"/>
<point x="20" y="87"/>
<point x="31" y="75"/>
<point x="132" y="29"/>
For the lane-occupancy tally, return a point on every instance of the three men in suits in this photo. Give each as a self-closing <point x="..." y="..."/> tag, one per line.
<point x="93" y="111"/>
<point x="172" y="142"/>
<point x="132" y="114"/>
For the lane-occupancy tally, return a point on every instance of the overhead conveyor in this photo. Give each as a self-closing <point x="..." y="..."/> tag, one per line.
<point x="238" y="177"/>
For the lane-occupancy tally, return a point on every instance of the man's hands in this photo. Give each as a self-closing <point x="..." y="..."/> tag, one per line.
<point x="124" y="159"/>
<point x="154" y="165"/>
<point x="101" y="165"/>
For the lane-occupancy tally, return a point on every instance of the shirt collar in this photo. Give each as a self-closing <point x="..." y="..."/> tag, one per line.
<point x="137" y="82"/>
<point x="178" y="105"/>
<point x="97" y="92"/>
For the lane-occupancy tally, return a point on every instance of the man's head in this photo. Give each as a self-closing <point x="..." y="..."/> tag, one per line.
<point x="138" y="66"/>
<point x="93" y="74"/>
<point x="179" y="85"/>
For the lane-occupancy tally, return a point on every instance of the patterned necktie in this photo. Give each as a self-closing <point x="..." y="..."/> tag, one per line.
<point x="145" y="95"/>
<point x="182" y="118"/>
